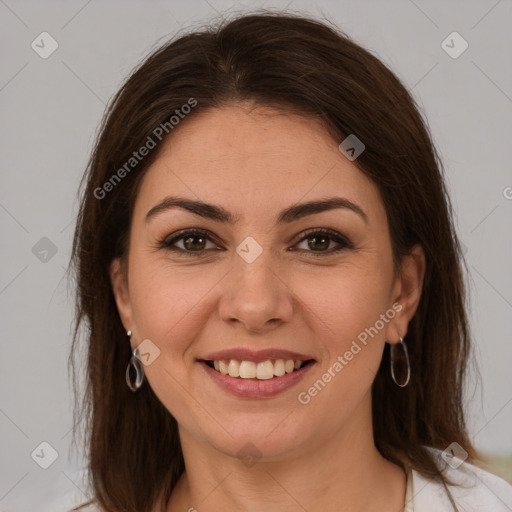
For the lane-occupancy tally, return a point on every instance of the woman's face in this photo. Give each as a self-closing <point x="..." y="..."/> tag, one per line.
<point x="258" y="285"/>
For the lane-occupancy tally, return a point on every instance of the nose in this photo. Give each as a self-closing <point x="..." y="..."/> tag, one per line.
<point x="256" y="296"/>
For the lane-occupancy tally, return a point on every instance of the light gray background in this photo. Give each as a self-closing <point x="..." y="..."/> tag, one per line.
<point x="50" y="110"/>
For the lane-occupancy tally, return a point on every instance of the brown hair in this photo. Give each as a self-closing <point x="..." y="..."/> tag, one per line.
<point x="297" y="65"/>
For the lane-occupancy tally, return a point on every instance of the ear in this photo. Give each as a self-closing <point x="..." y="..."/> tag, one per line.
<point x="119" y="282"/>
<point x="406" y="293"/>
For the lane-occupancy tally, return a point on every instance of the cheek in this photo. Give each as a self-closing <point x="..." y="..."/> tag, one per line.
<point x="353" y="345"/>
<point x="347" y="302"/>
<point x="350" y="310"/>
<point x="169" y="308"/>
<point x="169" y="303"/>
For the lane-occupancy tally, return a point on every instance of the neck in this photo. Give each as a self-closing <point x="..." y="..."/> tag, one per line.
<point x="343" y="473"/>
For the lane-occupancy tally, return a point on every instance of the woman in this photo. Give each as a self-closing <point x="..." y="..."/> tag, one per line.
<point x="272" y="282"/>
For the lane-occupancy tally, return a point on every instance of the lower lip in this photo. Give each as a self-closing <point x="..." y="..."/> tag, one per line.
<point x="253" y="388"/>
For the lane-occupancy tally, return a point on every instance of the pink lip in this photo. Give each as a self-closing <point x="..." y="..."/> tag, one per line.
<point x="254" y="388"/>
<point x="245" y="354"/>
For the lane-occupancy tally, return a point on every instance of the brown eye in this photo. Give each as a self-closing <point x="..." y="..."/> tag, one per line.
<point x="194" y="243"/>
<point x="189" y="242"/>
<point x="320" y="241"/>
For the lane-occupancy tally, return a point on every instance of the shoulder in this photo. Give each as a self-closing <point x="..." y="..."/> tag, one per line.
<point x="477" y="489"/>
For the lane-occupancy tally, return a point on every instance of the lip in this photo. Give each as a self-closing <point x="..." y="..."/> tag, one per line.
<point x="257" y="356"/>
<point x="254" y="388"/>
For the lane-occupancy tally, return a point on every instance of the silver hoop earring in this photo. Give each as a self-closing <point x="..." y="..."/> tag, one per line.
<point x="134" y="366"/>
<point x="401" y="363"/>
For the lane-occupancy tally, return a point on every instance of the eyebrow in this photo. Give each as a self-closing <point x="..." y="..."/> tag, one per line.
<point x="288" y="215"/>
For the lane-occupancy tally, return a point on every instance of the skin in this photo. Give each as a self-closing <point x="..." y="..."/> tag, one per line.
<point x="255" y="162"/>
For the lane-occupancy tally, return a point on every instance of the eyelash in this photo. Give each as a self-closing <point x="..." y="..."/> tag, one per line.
<point x="168" y="244"/>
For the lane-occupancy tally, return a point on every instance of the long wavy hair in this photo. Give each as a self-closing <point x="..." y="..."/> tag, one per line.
<point x="297" y="65"/>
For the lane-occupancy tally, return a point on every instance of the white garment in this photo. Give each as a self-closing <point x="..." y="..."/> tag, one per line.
<point x="481" y="491"/>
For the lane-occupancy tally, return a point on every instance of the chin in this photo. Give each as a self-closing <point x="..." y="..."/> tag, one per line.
<point x="262" y="437"/>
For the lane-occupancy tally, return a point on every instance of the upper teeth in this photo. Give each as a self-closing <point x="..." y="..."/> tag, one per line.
<point x="251" y="370"/>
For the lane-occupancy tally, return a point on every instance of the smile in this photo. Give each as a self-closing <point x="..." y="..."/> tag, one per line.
<point x="256" y="374"/>
<point x="263" y="370"/>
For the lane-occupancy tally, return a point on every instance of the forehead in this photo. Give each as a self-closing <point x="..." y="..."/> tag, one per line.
<point x="254" y="160"/>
